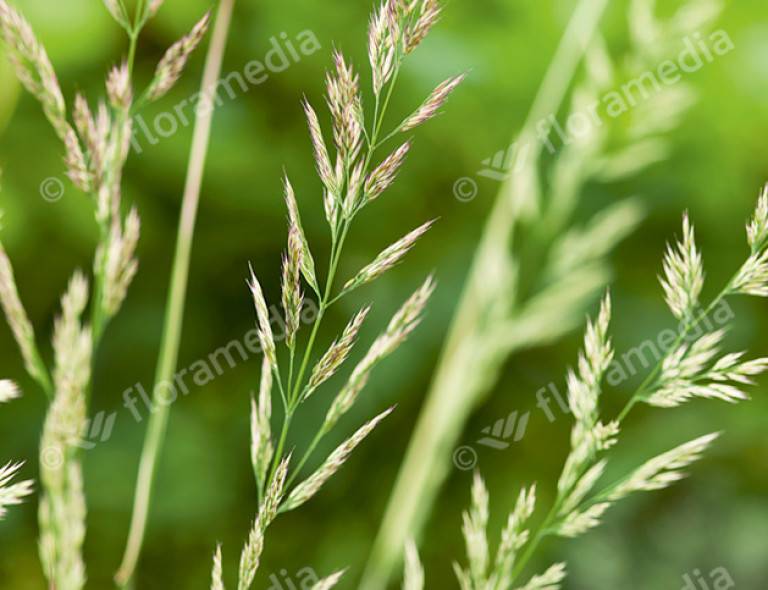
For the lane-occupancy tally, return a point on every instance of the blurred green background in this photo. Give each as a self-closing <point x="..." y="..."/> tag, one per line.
<point x="205" y="493"/>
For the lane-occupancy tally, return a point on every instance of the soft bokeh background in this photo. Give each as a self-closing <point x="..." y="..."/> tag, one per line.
<point x="205" y="494"/>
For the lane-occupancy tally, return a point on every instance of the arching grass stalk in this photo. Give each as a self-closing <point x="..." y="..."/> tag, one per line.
<point x="169" y="348"/>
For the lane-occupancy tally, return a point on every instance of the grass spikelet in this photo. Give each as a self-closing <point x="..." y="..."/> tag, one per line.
<point x="757" y="230"/>
<point x="385" y="173"/>
<point x="413" y="577"/>
<point x="262" y="449"/>
<point x="307" y="262"/>
<point x="172" y="63"/>
<point x="684" y="274"/>
<point x="400" y="326"/>
<point x="338" y="352"/>
<point x="329" y="582"/>
<point x="12" y="494"/>
<point x="310" y="486"/>
<point x="322" y="160"/>
<point x="20" y="325"/>
<point x="262" y="313"/>
<point x="217" y="582"/>
<point x="8" y="391"/>
<point x="664" y="470"/>
<point x="549" y="580"/>
<point x="433" y="103"/>
<point x="33" y="67"/>
<point x="388" y="258"/>
<point x="381" y="50"/>
<point x="292" y="296"/>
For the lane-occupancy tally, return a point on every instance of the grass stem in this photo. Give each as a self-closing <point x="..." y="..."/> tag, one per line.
<point x="169" y="350"/>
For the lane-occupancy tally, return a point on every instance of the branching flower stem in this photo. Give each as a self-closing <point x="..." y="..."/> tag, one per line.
<point x="296" y="389"/>
<point x="545" y="529"/>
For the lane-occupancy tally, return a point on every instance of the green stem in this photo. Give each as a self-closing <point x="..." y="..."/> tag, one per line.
<point x="175" y="307"/>
<point x="307" y="454"/>
<point x="280" y="446"/>
<point x="530" y="549"/>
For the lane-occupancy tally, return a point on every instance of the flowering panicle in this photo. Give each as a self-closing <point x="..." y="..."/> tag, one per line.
<point x="349" y="182"/>
<point x="96" y="149"/>
<point x="690" y="368"/>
